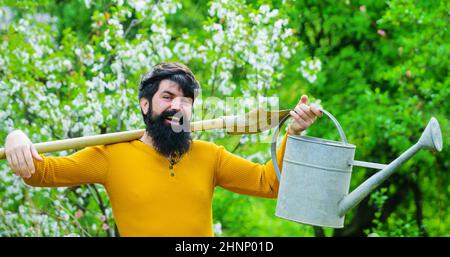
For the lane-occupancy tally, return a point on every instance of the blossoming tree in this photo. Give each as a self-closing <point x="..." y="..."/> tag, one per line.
<point x="58" y="82"/>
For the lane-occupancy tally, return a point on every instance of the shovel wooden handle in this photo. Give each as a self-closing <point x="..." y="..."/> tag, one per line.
<point x="81" y="142"/>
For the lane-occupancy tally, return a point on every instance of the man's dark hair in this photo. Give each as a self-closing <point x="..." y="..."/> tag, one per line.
<point x="175" y="72"/>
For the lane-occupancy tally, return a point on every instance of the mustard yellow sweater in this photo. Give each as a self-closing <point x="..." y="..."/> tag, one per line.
<point x="146" y="199"/>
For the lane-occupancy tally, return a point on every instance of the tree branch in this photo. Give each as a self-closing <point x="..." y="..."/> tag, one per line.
<point x="101" y="205"/>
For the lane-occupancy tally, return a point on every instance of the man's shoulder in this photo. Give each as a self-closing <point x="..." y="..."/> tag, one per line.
<point x="127" y="145"/>
<point x="202" y="144"/>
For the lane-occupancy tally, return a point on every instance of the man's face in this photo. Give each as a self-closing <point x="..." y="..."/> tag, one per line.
<point x="170" y="97"/>
<point x="170" y="113"/>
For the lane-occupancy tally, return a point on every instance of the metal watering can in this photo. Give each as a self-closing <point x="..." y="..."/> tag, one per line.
<point x="314" y="185"/>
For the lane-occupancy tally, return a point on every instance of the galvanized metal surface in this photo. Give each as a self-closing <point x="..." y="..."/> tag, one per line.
<point x="316" y="175"/>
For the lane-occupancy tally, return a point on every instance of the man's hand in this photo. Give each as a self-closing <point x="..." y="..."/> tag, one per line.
<point x="303" y="116"/>
<point x="19" y="151"/>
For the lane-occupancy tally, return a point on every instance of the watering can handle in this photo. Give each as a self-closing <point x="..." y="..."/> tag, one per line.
<point x="275" y="136"/>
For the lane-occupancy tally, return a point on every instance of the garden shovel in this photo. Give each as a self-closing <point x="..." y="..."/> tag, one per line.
<point x="252" y="122"/>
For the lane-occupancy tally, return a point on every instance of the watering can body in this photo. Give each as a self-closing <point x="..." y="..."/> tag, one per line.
<point x="310" y="166"/>
<point x="315" y="182"/>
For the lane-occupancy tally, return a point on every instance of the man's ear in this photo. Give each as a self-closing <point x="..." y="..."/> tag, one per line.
<point x="143" y="102"/>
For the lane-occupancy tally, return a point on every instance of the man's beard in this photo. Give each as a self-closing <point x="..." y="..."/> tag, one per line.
<point x="165" y="140"/>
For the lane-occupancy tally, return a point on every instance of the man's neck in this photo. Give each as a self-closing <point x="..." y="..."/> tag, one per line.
<point x="146" y="139"/>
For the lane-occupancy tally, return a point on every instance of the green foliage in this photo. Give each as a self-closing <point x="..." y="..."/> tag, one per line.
<point x="68" y="69"/>
<point x="385" y="74"/>
<point x="394" y="226"/>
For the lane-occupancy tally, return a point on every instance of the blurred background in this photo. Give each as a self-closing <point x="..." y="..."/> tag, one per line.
<point x="72" y="68"/>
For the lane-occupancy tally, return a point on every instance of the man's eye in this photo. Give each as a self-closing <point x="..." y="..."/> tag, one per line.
<point x="186" y="100"/>
<point x="166" y="97"/>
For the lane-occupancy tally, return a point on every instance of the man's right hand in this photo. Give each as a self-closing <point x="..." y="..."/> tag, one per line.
<point x="20" y="152"/>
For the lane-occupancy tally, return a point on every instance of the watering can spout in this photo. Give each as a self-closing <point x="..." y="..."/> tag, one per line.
<point x="431" y="138"/>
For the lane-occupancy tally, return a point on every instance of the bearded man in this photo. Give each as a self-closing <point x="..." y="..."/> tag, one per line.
<point x="163" y="183"/>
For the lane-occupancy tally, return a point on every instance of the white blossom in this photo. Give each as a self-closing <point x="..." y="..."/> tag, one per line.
<point x="309" y="69"/>
<point x="6" y="16"/>
<point x="72" y="90"/>
<point x="138" y="5"/>
<point x="87" y="3"/>
<point x="217" y="228"/>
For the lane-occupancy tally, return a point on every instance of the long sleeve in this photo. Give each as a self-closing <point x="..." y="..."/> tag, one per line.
<point x="243" y="176"/>
<point x="86" y="166"/>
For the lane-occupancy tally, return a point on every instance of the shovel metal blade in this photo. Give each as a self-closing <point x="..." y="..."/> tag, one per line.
<point x="255" y="121"/>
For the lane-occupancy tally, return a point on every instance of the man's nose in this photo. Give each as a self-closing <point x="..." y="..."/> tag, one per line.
<point x="176" y="104"/>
